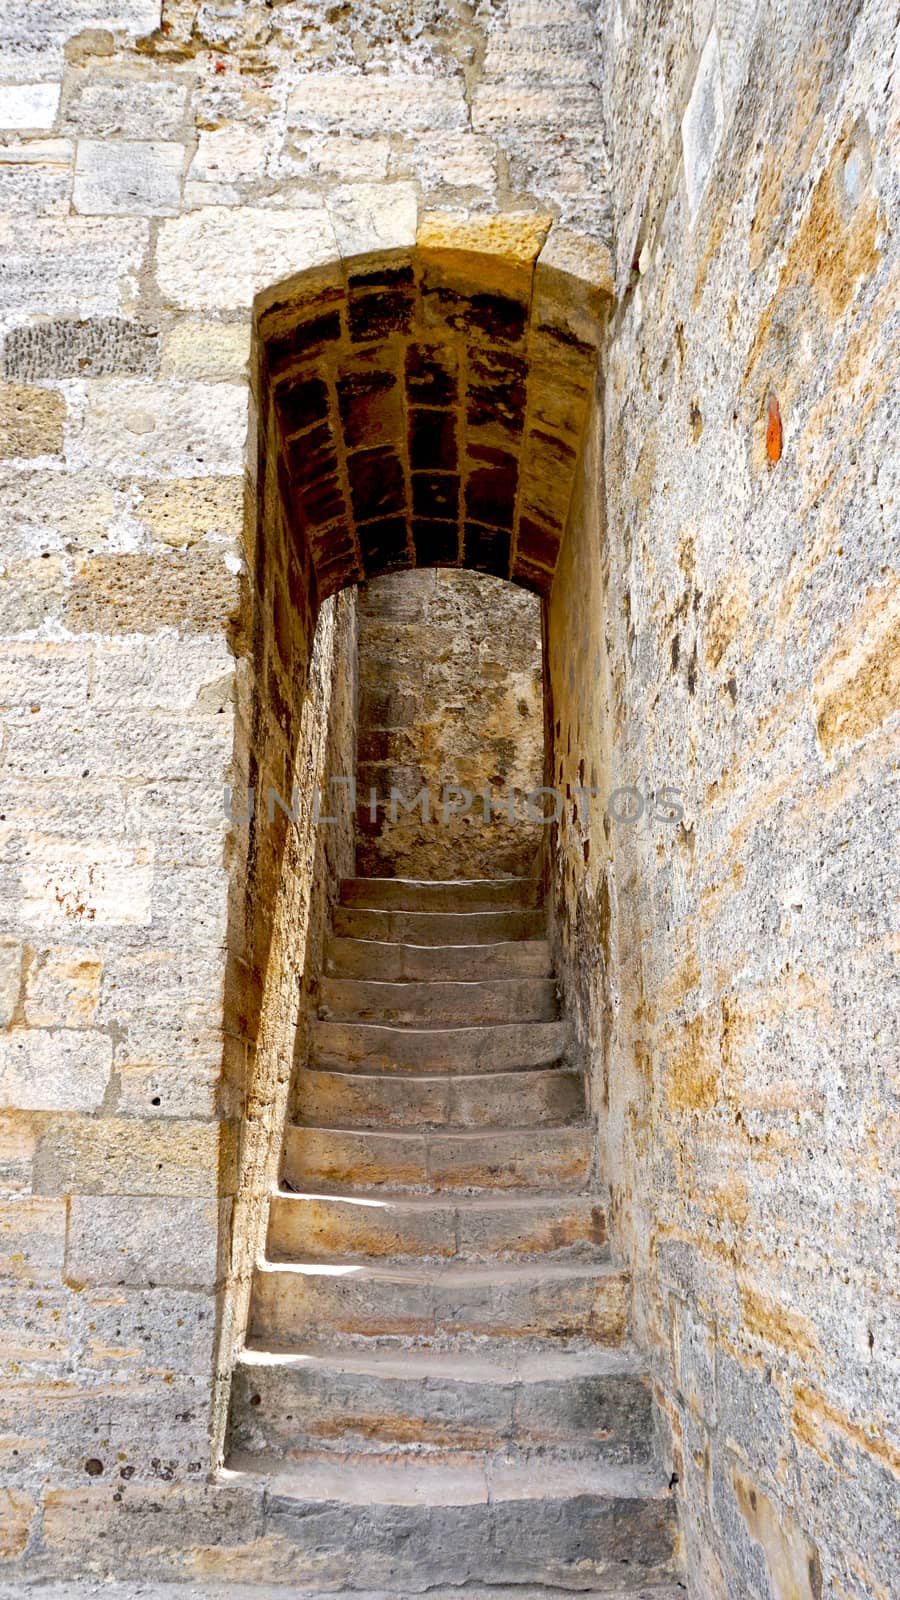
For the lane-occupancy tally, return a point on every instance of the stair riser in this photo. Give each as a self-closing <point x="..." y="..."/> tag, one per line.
<point x="429" y="1004"/>
<point x="397" y="894"/>
<point x="325" y="1227"/>
<point x="438" y="927"/>
<point x="571" y="1543"/>
<point x="500" y="1159"/>
<point x="367" y="1046"/>
<point x="510" y="1099"/>
<point x="297" y="1307"/>
<point x="284" y="1409"/>
<point x="410" y="963"/>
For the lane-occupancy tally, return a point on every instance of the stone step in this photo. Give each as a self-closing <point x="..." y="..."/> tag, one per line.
<point x="400" y="1100"/>
<point x="299" y="1302"/>
<point x="439" y="1001"/>
<point x="286" y="1401"/>
<point x="325" y="1226"/>
<point x="416" y="963"/>
<point x="460" y="894"/>
<point x="438" y="927"/>
<point x="405" y="1522"/>
<point x="444" y="1158"/>
<point x="489" y="1047"/>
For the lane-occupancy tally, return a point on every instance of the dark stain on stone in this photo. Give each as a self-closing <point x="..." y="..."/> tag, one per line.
<point x="376" y="483"/>
<point x="432" y="440"/>
<point x="692" y="671"/>
<point x="431" y="375"/>
<point x="435" y="494"/>
<point x="300" y="405"/>
<point x="374" y="316"/>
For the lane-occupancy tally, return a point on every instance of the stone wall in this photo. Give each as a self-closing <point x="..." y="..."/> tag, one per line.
<point x="160" y="167"/>
<point x="450" y="678"/>
<point x="728" y="629"/>
<point x="740" y="603"/>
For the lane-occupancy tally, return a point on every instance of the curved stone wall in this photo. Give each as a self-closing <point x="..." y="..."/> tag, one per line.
<point x="430" y="396"/>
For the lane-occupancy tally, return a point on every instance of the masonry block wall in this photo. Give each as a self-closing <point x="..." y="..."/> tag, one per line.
<point x="738" y="607"/>
<point x="161" y="165"/>
<point x="451" y="693"/>
<point x="724" y="623"/>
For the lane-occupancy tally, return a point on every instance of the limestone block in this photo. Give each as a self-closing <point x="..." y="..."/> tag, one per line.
<point x="108" y="102"/>
<point x="118" y="1239"/>
<point x="92" y="348"/>
<point x="228" y="155"/>
<point x="35" y="177"/>
<point x="34" y="1327"/>
<point x="141" y="594"/>
<point x="10" y="978"/>
<point x="135" y="1522"/>
<point x="168" y="431"/>
<point x="82" y="266"/>
<point x="90" y="884"/>
<point x="516" y="237"/>
<point x="32" y="1239"/>
<point x="496" y="107"/>
<point x="134" y="1155"/>
<point x="16" y="1512"/>
<point x="44" y="509"/>
<point x="337" y="156"/>
<point x="62" y="987"/>
<point x="31" y="421"/>
<point x="209" y="350"/>
<point x="130" y="1421"/>
<point x="326" y="100"/>
<point x="702" y="122"/>
<point x="54" y="1070"/>
<point x="182" y="513"/>
<point x="127" y="178"/>
<point x="459" y="161"/>
<point x="172" y="1087"/>
<point x="218" y="259"/>
<point x="28" y="107"/>
<point x="31" y="594"/>
<point x="19" y="1132"/>
<point x="578" y="256"/>
<point x="150" y="1333"/>
<point x="172" y="674"/>
<point x="373" y="216"/>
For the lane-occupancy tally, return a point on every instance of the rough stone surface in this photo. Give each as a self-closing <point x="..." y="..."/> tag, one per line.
<point x="129" y="178"/>
<point x="722" y="621"/>
<point x="31" y="421"/>
<point x="729" y="621"/>
<point x="450" y="693"/>
<point x="64" y="348"/>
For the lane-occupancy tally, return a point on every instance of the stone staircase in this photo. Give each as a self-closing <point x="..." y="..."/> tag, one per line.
<point x="437" y="1388"/>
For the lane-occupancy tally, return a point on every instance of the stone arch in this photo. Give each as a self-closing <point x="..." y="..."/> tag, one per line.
<point x="424" y="404"/>
<point x="512" y="310"/>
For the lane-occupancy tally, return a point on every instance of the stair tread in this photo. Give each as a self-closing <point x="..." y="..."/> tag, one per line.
<point x="458" y="1029"/>
<point x="363" y="1072"/>
<point x="532" y="941"/>
<point x="444" y="883"/>
<point x="447" y="1274"/>
<point x="458" y="1132"/>
<point x="445" y="1200"/>
<point x="408" y="1480"/>
<point x="501" y="1366"/>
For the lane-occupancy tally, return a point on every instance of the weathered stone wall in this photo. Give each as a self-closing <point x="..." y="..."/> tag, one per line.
<point x="450" y="679"/>
<point x="159" y="166"/>
<point x="743" y="594"/>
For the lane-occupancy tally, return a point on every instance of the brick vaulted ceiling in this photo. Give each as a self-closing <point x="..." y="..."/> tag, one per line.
<point x="428" y="404"/>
